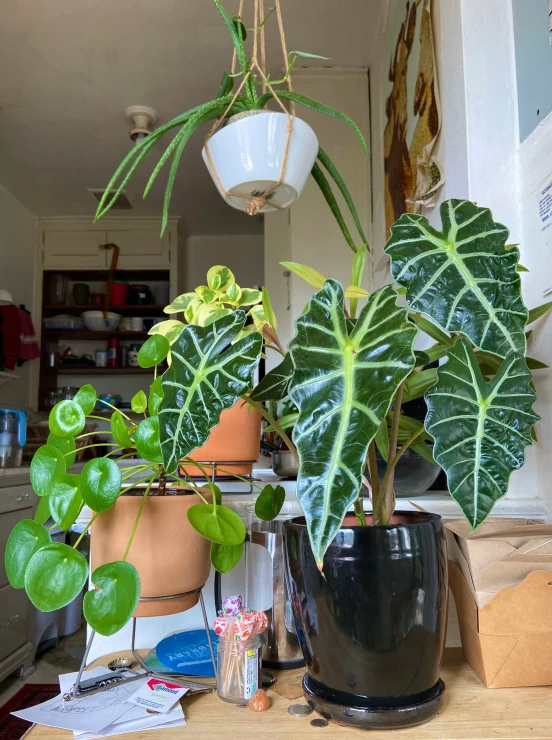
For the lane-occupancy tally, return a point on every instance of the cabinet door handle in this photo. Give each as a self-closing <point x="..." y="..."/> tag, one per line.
<point x="23" y="497"/>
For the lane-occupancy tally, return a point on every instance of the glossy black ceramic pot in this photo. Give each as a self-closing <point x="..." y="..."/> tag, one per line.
<point x="373" y="626"/>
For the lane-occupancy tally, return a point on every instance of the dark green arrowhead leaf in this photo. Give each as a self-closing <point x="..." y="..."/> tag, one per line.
<point x="226" y="557"/>
<point x="120" y="431"/>
<point x="153" y="351"/>
<point x="26" y="538"/>
<point x="146" y="440"/>
<point x="269" y="503"/>
<point x="139" y="402"/>
<point x="65" y="445"/>
<point x="463" y="278"/>
<point x="55" y="576"/>
<point x="65" y="500"/>
<point x="67" y="419"/>
<point x="86" y="398"/>
<point x="480" y="429"/>
<point x="109" y="608"/>
<point x="42" y="513"/>
<point x="217" y="523"/>
<point x="275" y="384"/>
<point x="208" y="374"/>
<point x="47" y="464"/>
<point x="100" y="483"/>
<point x="155" y="396"/>
<point x="343" y="386"/>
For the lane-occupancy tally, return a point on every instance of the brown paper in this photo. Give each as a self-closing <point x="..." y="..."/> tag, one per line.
<point x="501" y="579"/>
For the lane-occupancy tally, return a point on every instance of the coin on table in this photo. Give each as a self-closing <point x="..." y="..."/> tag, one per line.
<point x="300" y="710"/>
<point x="319" y="722"/>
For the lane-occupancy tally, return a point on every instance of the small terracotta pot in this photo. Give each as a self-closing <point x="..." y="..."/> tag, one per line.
<point x="236" y="438"/>
<point x="170" y="556"/>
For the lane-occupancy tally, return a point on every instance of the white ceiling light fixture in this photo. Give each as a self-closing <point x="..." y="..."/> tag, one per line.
<point x="142" y="119"/>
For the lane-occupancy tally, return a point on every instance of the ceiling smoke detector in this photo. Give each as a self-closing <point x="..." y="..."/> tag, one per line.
<point x="141" y="119"/>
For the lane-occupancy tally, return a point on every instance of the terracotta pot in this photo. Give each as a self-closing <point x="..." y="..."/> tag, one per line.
<point x="171" y="557"/>
<point x="236" y="438"/>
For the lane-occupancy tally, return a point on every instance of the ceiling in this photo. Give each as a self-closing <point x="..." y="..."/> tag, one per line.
<point x="71" y="68"/>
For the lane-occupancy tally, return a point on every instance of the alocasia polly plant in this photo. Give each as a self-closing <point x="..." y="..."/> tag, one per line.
<point x="346" y="371"/>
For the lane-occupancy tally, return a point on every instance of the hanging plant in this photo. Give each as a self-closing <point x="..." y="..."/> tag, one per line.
<point x="279" y="148"/>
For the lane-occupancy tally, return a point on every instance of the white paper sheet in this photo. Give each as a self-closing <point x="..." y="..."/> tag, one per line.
<point x="90" y="714"/>
<point x="174" y="718"/>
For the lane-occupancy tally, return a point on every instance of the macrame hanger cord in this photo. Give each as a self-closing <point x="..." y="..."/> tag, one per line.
<point x="256" y="202"/>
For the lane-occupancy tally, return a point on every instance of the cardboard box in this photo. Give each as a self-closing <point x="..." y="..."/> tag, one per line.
<point x="501" y="579"/>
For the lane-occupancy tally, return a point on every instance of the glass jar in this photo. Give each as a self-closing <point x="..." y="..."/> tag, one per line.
<point x="238" y="669"/>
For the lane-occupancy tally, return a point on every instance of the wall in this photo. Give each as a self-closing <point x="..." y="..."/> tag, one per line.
<point x="244" y="255"/>
<point x="17" y="271"/>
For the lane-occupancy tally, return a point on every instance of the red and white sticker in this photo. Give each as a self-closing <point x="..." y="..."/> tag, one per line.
<point x="158" y="695"/>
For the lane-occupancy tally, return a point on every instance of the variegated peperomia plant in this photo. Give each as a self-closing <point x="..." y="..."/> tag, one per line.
<point x="347" y="372"/>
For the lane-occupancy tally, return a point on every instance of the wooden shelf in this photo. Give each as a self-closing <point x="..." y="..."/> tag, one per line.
<point x="86" y="334"/>
<point x="144" y="310"/>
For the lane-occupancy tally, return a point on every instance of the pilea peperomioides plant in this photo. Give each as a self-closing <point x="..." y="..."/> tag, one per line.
<point x="346" y="371"/>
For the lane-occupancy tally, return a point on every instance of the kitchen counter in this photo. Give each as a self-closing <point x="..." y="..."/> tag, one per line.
<point x="471" y="712"/>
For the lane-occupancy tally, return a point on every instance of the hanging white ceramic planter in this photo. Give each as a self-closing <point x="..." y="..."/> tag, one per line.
<point x="248" y="154"/>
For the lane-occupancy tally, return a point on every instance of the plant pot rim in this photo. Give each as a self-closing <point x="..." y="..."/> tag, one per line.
<point x="170" y="491"/>
<point x="416" y="518"/>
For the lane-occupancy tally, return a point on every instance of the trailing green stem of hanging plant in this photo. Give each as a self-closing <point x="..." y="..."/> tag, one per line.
<point x="334" y="173"/>
<point x="238" y="45"/>
<point x="324" y="185"/>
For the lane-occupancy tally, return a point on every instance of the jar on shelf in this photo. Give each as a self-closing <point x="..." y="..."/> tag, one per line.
<point x="238" y="669"/>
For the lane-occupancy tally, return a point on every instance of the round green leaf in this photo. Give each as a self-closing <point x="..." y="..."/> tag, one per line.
<point x="225" y="557"/>
<point x="146" y="440"/>
<point x="100" y="483"/>
<point x="42" y="513"/>
<point x="65" y="445"/>
<point x="153" y="351"/>
<point x="155" y="396"/>
<point x="67" y="419"/>
<point x="65" y="500"/>
<point x="120" y="431"/>
<point x="139" y="402"/>
<point x="109" y="608"/>
<point x="270" y="502"/>
<point x="217" y="524"/>
<point x="55" y="576"/>
<point x="47" y="464"/>
<point x="86" y="398"/>
<point x="26" y="538"/>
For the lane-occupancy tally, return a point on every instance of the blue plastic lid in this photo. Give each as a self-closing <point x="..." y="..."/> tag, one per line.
<point x="188" y="653"/>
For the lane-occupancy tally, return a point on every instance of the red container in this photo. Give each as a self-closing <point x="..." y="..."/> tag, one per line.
<point x="97" y="299"/>
<point x="119" y="292"/>
<point x="114" y="352"/>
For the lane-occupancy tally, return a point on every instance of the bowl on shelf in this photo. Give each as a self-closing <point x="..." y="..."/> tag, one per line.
<point x="94" y="320"/>
<point x="64" y="322"/>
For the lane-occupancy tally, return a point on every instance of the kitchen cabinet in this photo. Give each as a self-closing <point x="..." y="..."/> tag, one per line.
<point x="16" y="652"/>
<point x="75" y="244"/>
<point x="141" y="248"/>
<point x="76" y="248"/>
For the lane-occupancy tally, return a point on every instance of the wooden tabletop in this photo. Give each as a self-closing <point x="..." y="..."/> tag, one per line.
<point x="471" y="712"/>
